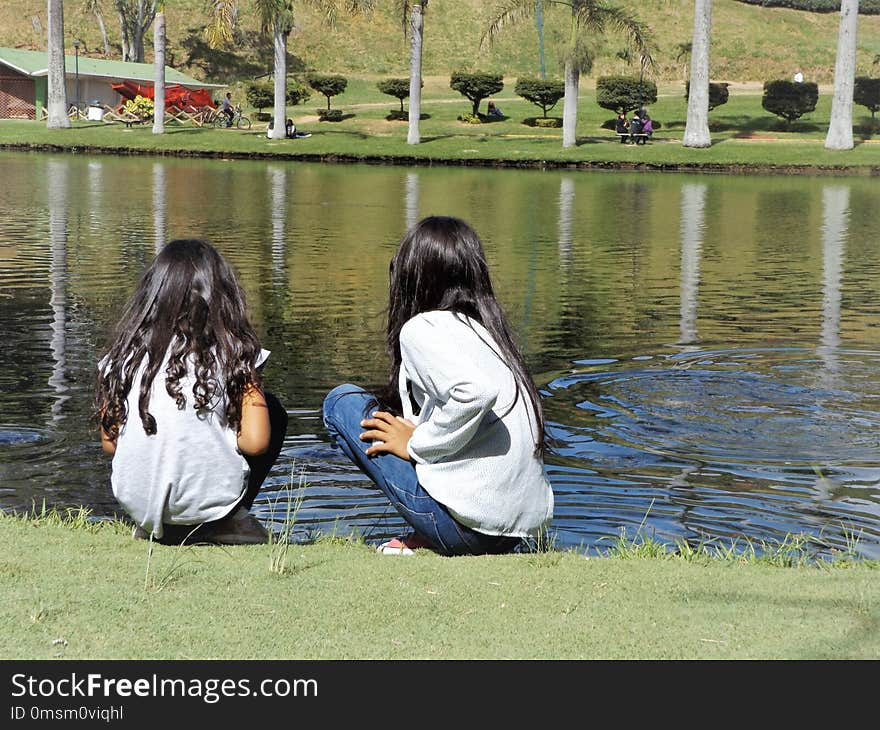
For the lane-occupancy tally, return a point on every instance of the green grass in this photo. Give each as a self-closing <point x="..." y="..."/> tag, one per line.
<point x="80" y="593"/>
<point x="746" y="136"/>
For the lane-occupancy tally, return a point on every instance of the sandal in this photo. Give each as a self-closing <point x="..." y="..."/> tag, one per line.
<point x="404" y="545"/>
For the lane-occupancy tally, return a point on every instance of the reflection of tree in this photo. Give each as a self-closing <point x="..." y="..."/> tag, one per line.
<point x="835" y="204"/>
<point x="160" y="232"/>
<point x="57" y="172"/>
<point x="412" y="199"/>
<point x="693" y="204"/>
<point x="278" y="184"/>
<point x="566" y="215"/>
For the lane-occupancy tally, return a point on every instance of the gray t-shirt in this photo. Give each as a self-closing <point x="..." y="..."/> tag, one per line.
<point x="190" y="471"/>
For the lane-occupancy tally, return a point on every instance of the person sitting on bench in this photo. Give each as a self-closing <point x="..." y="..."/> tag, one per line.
<point x="622" y="127"/>
<point x="635" y="128"/>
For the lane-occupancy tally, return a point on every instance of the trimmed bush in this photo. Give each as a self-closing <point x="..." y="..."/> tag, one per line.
<point x="624" y="93"/>
<point x="790" y="99"/>
<point x="718" y="93"/>
<point x="476" y="86"/>
<point x="328" y="85"/>
<point x="866" y="93"/>
<point x="398" y="88"/>
<point x="470" y="118"/>
<point x="329" y="115"/>
<point x="866" y="7"/>
<point x="548" y="123"/>
<point x="540" y="92"/>
<point x="297" y="92"/>
<point x="140" y="106"/>
<point x="259" y="95"/>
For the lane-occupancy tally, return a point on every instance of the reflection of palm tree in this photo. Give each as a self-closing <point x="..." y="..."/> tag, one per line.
<point x="835" y="204"/>
<point x="57" y="200"/>
<point x="566" y="215"/>
<point x="412" y="199"/>
<point x="278" y="183"/>
<point x="159" y="206"/>
<point x="693" y="204"/>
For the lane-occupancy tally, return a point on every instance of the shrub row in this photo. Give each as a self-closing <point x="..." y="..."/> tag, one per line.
<point x="866" y="7"/>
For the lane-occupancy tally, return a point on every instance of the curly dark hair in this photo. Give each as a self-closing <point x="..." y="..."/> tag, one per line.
<point x="189" y="306"/>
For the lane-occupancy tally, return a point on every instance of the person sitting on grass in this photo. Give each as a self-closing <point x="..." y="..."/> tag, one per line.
<point x="455" y="440"/>
<point x="181" y="405"/>
<point x="493" y="111"/>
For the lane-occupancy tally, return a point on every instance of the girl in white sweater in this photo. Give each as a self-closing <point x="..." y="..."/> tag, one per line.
<point x="456" y="438"/>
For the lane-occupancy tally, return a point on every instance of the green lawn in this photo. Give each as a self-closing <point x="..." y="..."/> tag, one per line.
<point x="744" y="136"/>
<point x="85" y="593"/>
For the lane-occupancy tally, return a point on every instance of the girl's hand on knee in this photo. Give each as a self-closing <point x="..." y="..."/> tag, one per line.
<point x="391" y="432"/>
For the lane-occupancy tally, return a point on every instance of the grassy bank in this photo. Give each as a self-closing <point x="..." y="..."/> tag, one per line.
<point x="87" y="591"/>
<point x="745" y="137"/>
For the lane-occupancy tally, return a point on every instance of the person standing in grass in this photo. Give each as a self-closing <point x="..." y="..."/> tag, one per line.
<point x="181" y="405"/>
<point x="455" y="440"/>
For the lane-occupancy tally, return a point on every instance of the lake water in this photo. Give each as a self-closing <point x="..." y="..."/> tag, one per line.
<point x="708" y="346"/>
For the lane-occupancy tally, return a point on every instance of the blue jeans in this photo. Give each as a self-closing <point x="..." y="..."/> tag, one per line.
<point x="344" y="409"/>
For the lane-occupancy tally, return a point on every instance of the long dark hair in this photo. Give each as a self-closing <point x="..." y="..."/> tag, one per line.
<point x="189" y="305"/>
<point x="440" y="265"/>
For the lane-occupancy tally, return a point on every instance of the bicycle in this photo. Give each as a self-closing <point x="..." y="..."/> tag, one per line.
<point x="238" y="120"/>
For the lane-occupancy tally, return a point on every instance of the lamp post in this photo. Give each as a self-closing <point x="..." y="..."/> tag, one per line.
<point x="76" y="43"/>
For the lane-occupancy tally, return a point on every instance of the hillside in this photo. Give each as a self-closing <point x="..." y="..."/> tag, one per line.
<point x="749" y="43"/>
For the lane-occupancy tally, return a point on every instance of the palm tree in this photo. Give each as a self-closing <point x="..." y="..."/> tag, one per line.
<point x="276" y="15"/>
<point x="696" y="130"/>
<point x="683" y="56"/>
<point x="416" y="30"/>
<point x="840" y="136"/>
<point x="586" y="15"/>
<point x="57" y="94"/>
<point x="159" y="69"/>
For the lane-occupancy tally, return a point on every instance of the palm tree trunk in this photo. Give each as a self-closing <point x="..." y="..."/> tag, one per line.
<point x="572" y="81"/>
<point x="415" y="73"/>
<point x="280" y="111"/>
<point x="159" y="70"/>
<point x="570" y="104"/>
<point x="57" y="92"/>
<point x="840" y="136"/>
<point x="696" y="131"/>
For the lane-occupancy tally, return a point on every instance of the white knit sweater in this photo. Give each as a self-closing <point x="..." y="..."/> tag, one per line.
<point x="473" y="452"/>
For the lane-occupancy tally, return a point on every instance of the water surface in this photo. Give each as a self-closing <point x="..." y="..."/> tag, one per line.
<point x="708" y="346"/>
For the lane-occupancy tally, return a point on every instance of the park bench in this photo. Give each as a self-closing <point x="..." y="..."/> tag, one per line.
<point x="640" y="137"/>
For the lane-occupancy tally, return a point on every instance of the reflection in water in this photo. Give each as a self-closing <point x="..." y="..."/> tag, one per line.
<point x="566" y="220"/>
<point x="718" y="442"/>
<point x="412" y="199"/>
<point x="693" y="204"/>
<point x="835" y="205"/>
<point x="57" y="173"/>
<point x="278" y="185"/>
<point x="160" y="232"/>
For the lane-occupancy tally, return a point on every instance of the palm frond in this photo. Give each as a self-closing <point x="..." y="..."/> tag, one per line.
<point x="597" y="17"/>
<point x="220" y="29"/>
<point x="510" y="13"/>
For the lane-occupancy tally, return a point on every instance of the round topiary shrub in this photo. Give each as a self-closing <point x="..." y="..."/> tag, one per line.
<point x="260" y="95"/>
<point x="297" y="92"/>
<point x="329" y="115"/>
<point x="476" y="86"/>
<point x="329" y="86"/>
<point x="624" y="93"/>
<point x="547" y="122"/>
<point x="790" y="99"/>
<point x="544" y="93"/>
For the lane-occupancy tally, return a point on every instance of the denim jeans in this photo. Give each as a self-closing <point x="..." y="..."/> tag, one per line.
<point x="344" y="409"/>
